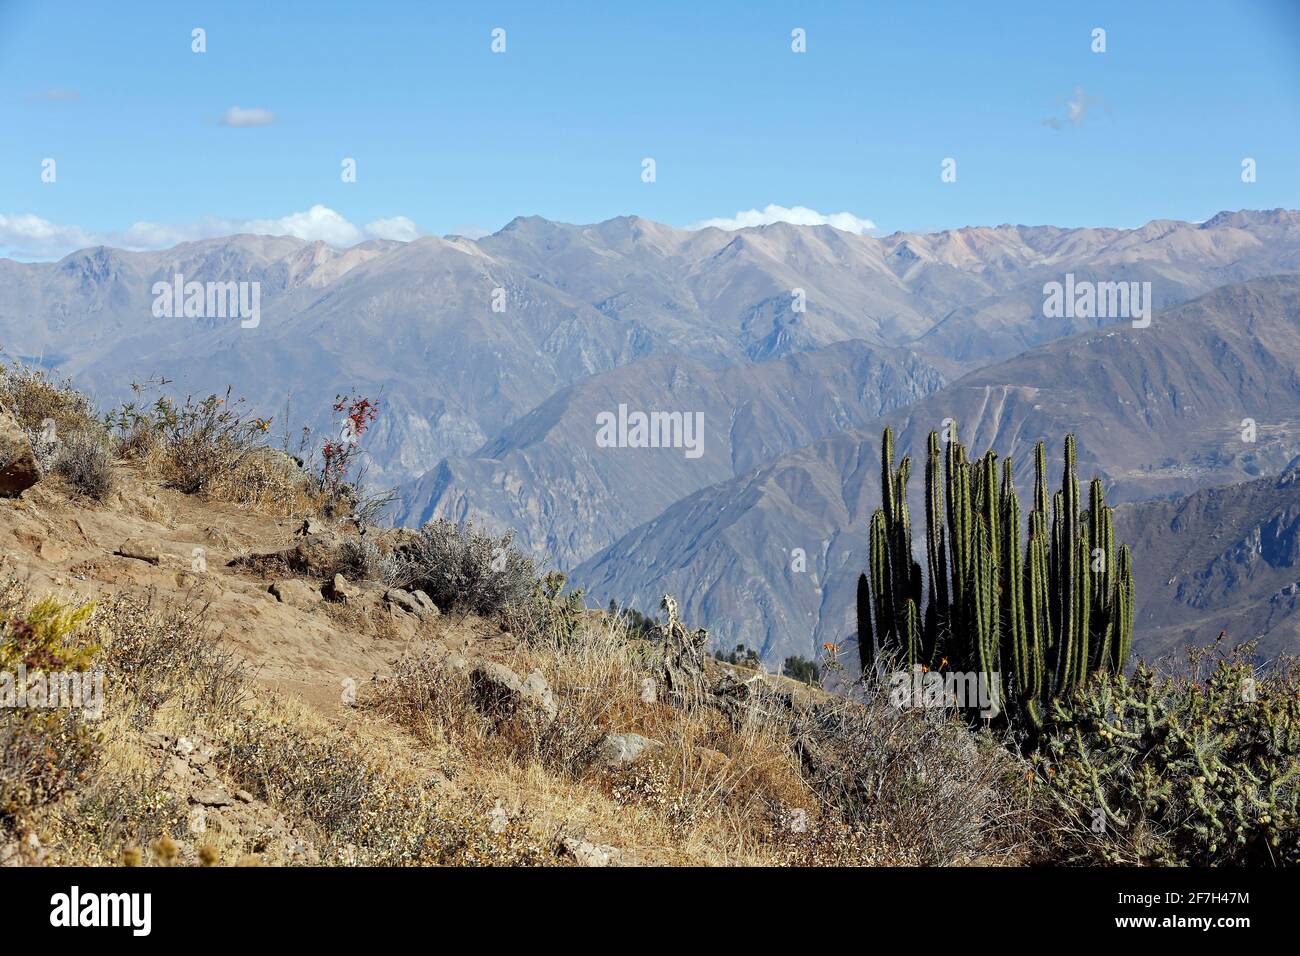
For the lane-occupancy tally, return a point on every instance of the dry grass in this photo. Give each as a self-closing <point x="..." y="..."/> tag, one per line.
<point x="728" y="786"/>
<point x="36" y="397"/>
<point x="349" y="791"/>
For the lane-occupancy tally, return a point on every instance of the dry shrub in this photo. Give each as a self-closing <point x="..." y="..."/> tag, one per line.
<point x="167" y="654"/>
<point x="268" y="482"/>
<point x="44" y="754"/>
<point x="919" y="778"/>
<point x="84" y="463"/>
<point x="36" y="397"/>
<point x="466" y="568"/>
<point x="360" y="809"/>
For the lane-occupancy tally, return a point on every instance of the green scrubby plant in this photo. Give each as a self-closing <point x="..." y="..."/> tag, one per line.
<point x="1200" y="769"/>
<point x="1034" y="613"/>
<point x="43" y="753"/>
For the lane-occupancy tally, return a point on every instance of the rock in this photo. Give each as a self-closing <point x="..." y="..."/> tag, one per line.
<point x="402" y="600"/>
<point x="589" y="854"/>
<point x="619" y="750"/>
<point x="412" y="602"/>
<point x="294" y="593"/>
<point x="500" y="693"/>
<point x="212" y="797"/>
<point x="140" y="550"/>
<point x="426" y="602"/>
<point x="18" y="469"/>
<point x="339" y="590"/>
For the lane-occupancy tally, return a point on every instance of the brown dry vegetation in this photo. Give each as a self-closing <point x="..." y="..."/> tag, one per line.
<point x="332" y="728"/>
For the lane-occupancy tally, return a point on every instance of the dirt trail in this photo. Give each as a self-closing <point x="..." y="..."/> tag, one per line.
<point x="69" y="547"/>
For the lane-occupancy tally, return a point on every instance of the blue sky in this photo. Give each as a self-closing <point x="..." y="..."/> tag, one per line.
<point x="452" y="137"/>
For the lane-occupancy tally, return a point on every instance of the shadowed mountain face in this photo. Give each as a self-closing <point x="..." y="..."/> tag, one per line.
<point x="1221" y="560"/>
<point x="1156" y="411"/>
<point x="417" y="320"/>
<point x="567" y="497"/>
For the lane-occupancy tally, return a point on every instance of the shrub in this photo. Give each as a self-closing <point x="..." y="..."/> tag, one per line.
<point x="919" y="780"/>
<point x="466" y="568"/>
<point x="83" y="461"/>
<point x="36" y="397"/>
<point x="358" y="559"/>
<point x="801" y="669"/>
<point x="199" y="441"/>
<point x="43" y="753"/>
<point x="1192" y="769"/>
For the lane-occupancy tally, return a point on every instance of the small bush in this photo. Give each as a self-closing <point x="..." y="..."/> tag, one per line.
<point x="918" y="779"/>
<point x="358" y="559"/>
<point x="466" y="568"/>
<point x="84" y="463"/>
<point x="1198" y="769"/>
<point x="37" y="398"/>
<point x="199" y="442"/>
<point x="43" y="753"/>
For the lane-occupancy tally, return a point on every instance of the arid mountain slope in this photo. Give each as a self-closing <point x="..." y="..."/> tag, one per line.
<point x="1156" y="411"/>
<point x="567" y="497"/>
<point x="1220" y="560"/>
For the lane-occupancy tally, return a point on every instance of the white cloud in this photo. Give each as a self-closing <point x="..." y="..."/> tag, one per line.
<point x="238" y="117"/>
<point x="795" y="215"/>
<point x="396" y="227"/>
<point x="31" y="237"/>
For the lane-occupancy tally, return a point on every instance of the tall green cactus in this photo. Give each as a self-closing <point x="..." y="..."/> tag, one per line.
<point x="1035" y="607"/>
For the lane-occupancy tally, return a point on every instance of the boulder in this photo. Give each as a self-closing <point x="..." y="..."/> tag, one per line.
<point x="501" y="694"/>
<point x="294" y="593"/>
<point x="212" y="797"/>
<point x="426" y="603"/>
<point x="140" y="550"/>
<point x="620" y="750"/>
<point x="412" y="602"/>
<point x="338" y="589"/>
<point x="18" y="469"/>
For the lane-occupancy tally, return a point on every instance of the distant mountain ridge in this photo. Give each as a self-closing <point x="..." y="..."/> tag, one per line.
<point x="416" y="319"/>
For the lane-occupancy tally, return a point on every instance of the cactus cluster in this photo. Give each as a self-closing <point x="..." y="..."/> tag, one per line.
<point x="1034" y="613"/>
<point x="1198" y="769"/>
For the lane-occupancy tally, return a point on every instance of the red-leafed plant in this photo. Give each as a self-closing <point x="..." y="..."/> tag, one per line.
<point x="354" y="416"/>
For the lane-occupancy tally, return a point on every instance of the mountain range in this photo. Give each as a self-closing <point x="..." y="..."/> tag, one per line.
<point x="493" y="359"/>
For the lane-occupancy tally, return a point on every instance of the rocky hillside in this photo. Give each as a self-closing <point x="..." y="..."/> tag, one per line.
<point x="1221" y="561"/>
<point x="279" y="682"/>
